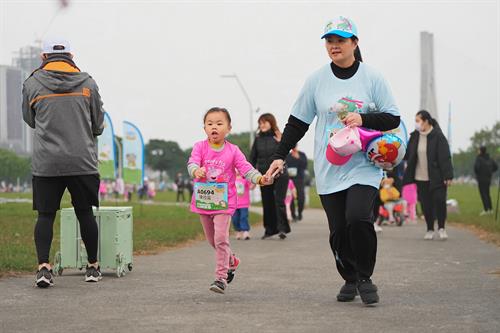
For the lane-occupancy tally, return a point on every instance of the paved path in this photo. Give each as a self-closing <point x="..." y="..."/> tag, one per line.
<point x="282" y="286"/>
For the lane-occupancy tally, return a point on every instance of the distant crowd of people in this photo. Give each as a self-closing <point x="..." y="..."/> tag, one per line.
<point x="6" y="187"/>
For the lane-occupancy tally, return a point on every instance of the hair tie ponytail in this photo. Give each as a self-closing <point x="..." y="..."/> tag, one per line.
<point x="426" y="116"/>
<point x="357" y="54"/>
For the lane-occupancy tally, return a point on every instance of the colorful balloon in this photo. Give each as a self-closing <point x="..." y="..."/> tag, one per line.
<point x="386" y="151"/>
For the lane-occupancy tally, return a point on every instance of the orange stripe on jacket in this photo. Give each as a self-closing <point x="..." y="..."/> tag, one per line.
<point x="85" y="93"/>
<point x="61" y="66"/>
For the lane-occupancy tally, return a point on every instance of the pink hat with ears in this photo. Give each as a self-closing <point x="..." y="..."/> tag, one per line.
<point x="342" y="145"/>
<point x="348" y="141"/>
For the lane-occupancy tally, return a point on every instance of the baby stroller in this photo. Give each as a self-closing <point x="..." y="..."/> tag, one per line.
<point x="398" y="212"/>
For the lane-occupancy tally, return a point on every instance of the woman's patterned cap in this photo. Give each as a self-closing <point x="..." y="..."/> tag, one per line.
<point x="341" y="26"/>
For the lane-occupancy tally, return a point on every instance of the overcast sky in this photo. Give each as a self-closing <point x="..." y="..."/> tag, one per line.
<point x="158" y="63"/>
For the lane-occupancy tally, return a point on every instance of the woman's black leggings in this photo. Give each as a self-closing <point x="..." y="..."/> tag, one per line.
<point x="273" y="205"/>
<point x="352" y="237"/>
<point x="44" y="234"/>
<point x="433" y="202"/>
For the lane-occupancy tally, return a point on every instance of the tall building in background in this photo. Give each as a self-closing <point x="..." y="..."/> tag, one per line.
<point x="427" y="80"/>
<point x="14" y="133"/>
<point x="27" y="59"/>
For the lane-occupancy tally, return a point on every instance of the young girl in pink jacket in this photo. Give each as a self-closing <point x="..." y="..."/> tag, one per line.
<point x="240" y="216"/>
<point x="291" y="194"/>
<point x="213" y="164"/>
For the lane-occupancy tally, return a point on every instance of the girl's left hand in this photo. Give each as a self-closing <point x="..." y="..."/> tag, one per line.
<point x="353" y="119"/>
<point x="266" y="180"/>
<point x="200" y="173"/>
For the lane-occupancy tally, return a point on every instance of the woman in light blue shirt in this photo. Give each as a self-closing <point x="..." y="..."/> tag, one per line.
<point x="345" y="92"/>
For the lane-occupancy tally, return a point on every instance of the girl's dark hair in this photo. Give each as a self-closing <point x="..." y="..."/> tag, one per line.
<point x="218" y="109"/>
<point x="357" y="51"/>
<point x="426" y="116"/>
<point x="272" y="120"/>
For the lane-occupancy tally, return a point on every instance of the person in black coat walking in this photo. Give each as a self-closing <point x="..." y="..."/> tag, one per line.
<point x="273" y="197"/>
<point x="484" y="168"/>
<point x="296" y="162"/>
<point x="429" y="166"/>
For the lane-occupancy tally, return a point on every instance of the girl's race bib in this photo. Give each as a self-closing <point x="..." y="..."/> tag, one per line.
<point x="211" y="196"/>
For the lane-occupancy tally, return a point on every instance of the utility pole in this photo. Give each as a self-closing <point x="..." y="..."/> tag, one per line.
<point x="427" y="80"/>
<point x="251" y="109"/>
<point x="120" y="161"/>
<point x="450" y="141"/>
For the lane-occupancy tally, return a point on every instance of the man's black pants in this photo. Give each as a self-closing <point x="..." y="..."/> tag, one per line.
<point x="47" y="195"/>
<point x="484" y="191"/>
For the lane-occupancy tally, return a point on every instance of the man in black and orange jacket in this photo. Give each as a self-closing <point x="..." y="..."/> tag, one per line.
<point x="64" y="107"/>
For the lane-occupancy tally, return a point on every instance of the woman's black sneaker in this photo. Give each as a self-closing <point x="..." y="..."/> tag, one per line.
<point x="218" y="287"/>
<point x="93" y="274"/>
<point x="368" y="292"/>
<point x="282" y="235"/>
<point x="266" y="236"/>
<point x="44" y="278"/>
<point x="348" y="292"/>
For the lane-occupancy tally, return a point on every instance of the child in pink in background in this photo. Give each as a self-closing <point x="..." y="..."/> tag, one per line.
<point x="103" y="190"/>
<point x="213" y="164"/>
<point x="410" y="195"/>
<point x="240" y="217"/>
<point x="291" y="194"/>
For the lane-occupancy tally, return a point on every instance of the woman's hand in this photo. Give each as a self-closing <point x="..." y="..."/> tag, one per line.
<point x="353" y="119"/>
<point x="448" y="182"/>
<point x="265" y="180"/>
<point x="276" y="168"/>
<point x="200" y="173"/>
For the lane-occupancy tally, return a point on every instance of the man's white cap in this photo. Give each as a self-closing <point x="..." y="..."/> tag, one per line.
<point x="56" y="46"/>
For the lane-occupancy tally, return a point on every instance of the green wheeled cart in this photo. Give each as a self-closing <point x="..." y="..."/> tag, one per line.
<point x="115" y="245"/>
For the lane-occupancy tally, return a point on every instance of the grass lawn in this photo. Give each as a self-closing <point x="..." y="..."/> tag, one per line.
<point x="314" y="201"/>
<point x="160" y="226"/>
<point x="470" y="206"/>
<point x="155" y="227"/>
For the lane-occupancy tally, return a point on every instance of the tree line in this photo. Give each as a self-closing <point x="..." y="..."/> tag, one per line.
<point x="14" y="167"/>
<point x="168" y="157"/>
<point x="463" y="161"/>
